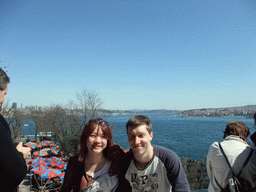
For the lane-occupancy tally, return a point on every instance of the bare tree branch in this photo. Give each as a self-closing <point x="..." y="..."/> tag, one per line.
<point x="90" y="103"/>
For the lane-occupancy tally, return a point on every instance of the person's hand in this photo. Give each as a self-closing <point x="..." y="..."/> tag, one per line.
<point x="24" y="150"/>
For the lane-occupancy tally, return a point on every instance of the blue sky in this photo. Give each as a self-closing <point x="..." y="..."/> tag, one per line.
<point x="161" y="54"/>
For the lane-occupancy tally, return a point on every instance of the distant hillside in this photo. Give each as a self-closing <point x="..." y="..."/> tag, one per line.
<point x="139" y="111"/>
<point x="156" y="111"/>
<point x="250" y="106"/>
<point x="246" y="110"/>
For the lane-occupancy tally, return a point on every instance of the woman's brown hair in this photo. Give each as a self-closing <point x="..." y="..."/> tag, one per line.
<point x="89" y="127"/>
<point x="237" y="128"/>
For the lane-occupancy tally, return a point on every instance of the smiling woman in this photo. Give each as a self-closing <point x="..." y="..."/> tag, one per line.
<point x="96" y="142"/>
<point x="95" y="168"/>
<point x="95" y="132"/>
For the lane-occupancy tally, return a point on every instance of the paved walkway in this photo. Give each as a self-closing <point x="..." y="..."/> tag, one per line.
<point x="25" y="184"/>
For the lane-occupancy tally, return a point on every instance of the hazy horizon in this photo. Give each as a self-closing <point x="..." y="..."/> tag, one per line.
<point x="65" y="106"/>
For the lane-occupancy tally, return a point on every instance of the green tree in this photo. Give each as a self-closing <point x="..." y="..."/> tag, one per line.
<point x="15" y="122"/>
<point x="66" y="124"/>
<point x="56" y="121"/>
<point x="196" y="173"/>
<point x="63" y="125"/>
<point x="36" y="114"/>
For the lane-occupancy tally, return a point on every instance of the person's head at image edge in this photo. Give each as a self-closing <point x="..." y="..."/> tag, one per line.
<point x="253" y="136"/>
<point x="140" y="135"/>
<point x="96" y="139"/>
<point x="238" y="129"/>
<point x="4" y="80"/>
<point x="254" y="118"/>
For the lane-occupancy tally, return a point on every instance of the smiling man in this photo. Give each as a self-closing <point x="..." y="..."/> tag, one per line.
<point x="149" y="167"/>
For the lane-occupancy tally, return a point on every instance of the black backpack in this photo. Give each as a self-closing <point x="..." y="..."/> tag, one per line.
<point x="236" y="183"/>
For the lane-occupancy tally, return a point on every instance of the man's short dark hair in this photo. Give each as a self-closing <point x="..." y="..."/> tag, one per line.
<point x="4" y="80"/>
<point x="137" y="121"/>
<point x="237" y="128"/>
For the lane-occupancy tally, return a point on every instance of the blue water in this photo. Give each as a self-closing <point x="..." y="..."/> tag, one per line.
<point x="189" y="137"/>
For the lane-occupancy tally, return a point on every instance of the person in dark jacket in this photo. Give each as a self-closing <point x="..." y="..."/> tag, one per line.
<point x="253" y="136"/>
<point x="13" y="166"/>
<point x="95" y="168"/>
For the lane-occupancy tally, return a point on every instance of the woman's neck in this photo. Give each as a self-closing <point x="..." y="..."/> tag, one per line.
<point x="141" y="161"/>
<point x="94" y="163"/>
